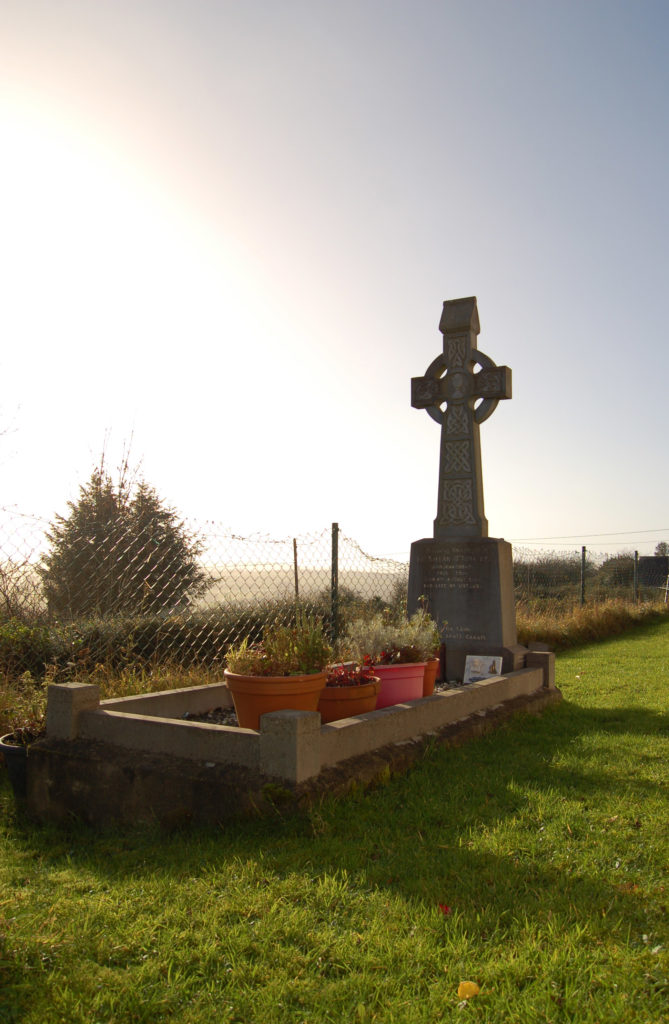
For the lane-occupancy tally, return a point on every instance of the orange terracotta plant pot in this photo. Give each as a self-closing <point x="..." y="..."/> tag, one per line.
<point x="348" y="701"/>
<point x="399" y="683"/>
<point x="254" y="696"/>
<point x="430" y="676"/>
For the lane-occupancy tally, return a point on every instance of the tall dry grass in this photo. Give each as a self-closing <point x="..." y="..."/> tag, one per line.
<point x="562" y="625"/>
<point x="23" y="700"/>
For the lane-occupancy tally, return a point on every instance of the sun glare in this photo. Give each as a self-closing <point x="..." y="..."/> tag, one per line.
<point x="124" y="309"/>
<point x="93" y="247"/>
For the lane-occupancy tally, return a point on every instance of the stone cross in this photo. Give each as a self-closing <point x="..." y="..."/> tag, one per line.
<point x="451" y="379"/>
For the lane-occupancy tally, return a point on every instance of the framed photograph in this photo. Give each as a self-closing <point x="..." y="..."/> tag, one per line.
<point x="478" y="667"/>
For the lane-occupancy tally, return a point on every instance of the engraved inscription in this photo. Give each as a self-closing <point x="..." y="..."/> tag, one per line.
<point x="454" y="633"/>
<point x="457" y="457"/>
<point x="457" y="571"/>
<point x="461" y="576"/>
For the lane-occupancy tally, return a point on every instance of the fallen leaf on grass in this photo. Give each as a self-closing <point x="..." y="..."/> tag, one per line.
<point x="467" y="989"/>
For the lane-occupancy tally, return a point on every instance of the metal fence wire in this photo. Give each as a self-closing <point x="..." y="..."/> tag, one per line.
<point x="144" y="590"/>
<point x="130" y="594"/>
<point x="581" y="576"/>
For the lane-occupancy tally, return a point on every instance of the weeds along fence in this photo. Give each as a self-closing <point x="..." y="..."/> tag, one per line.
<point x="130" y="592"/>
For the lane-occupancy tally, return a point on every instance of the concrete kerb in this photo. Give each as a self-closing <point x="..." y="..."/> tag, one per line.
<point x="173" y="703"/>
<point x="545" y="660"/>
<point x="351" y="737"/>
<point x="291" y="746"/>
<point x="197" y="741"/>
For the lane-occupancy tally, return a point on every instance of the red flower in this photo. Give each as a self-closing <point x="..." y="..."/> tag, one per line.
<point x="349" y="674"/>
<point x="444" y="909"/>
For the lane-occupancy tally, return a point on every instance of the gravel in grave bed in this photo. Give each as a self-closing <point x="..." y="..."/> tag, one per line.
<point x="228" y="716"/>
<point x="215" y="716"/>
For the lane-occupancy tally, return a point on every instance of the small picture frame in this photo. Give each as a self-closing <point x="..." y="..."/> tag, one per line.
<point x="479" y="666"/>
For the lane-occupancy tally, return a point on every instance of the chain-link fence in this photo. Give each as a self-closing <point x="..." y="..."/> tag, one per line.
<point x="142" y="586"/>
<point x="583" y="577"/>
<point x="129" y="591"/>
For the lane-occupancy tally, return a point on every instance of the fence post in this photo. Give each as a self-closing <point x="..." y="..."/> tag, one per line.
<point x="297" y="578"/>
<point x="636" y="575"/>
<point x="582" y="576"/>
<point x="334" y="585"/>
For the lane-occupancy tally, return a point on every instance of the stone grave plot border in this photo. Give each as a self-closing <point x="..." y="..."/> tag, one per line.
<point x="135" y="760"/>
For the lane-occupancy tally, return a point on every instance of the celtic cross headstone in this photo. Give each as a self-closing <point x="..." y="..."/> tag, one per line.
<point x="470" y="398"/>
<point x="465" y="576"/>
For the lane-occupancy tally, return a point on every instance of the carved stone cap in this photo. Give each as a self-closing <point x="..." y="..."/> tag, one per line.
<point x="460" y="315"/>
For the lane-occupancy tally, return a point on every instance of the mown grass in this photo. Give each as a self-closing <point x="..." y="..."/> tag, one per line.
<point x="547" y="841"/>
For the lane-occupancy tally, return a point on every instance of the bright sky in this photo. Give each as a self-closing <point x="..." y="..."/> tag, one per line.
<point x="227" y="229"/>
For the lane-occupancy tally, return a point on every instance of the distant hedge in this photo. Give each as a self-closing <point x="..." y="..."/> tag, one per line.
<point x="68" y="650"/>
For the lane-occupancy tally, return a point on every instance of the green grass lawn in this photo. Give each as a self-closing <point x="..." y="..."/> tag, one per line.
<point x="547" y="842"/>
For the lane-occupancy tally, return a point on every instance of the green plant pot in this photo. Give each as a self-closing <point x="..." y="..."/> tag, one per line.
<point x="16" y="759"/>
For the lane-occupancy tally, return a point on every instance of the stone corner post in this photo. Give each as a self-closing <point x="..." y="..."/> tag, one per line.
<point x="65" y="702"/>
<point x="290" y="745"/>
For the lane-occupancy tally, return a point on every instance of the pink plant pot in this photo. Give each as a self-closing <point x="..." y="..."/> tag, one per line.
<point x="399" y="683"/>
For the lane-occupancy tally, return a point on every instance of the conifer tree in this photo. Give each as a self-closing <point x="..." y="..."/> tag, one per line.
<point x="120" y="550"/>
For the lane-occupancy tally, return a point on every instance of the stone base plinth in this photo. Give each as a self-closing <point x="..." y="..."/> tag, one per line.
<point x="468" y="587"/>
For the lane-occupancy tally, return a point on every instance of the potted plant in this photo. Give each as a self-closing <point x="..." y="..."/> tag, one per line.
<point x="431" y="643"/>
<point x="285" y="670"/>
<point x="350" y="689"/>
<point x="398" y="649"/>
<point x="23" y="711"/>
